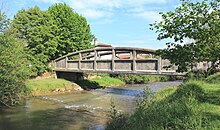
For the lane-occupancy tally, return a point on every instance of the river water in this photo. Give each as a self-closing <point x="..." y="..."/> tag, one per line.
<point x="87" y="110"/>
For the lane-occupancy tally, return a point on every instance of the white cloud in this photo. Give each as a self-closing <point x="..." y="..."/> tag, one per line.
<point x="91" y="13"/>
<point x="96" y="9"/>
<point x="93" y="9"/>
<point x="151" y="16"/>
<point x="47" y="1"/>
<point x="134" y="3"/>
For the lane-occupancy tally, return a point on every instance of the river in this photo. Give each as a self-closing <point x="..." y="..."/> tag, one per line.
<point x="87" y="110"/>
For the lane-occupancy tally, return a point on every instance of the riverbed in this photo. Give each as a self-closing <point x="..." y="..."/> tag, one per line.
<point x="86" y="110"/>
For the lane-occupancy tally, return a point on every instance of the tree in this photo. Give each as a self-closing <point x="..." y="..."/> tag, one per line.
<point x="200" y="22"/>
<point x="14" y="68"/>
<point x="36" y="28"/>
<point x="50" y="34"/>
<point x="72" y="31"/>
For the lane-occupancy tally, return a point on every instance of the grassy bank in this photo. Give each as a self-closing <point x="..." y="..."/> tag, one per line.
<point x="192" y="105"/>
<point x="100" y="81"/>
<point x="106" y="80"/>
<point x="144" y="79"/>
<point x="48" y="85"/>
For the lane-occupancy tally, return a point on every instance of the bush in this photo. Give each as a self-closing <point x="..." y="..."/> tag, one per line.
<point x="213" y="78"/>
<point x="140" y="79"/>
<point x="196" y="75"/>
<point x="14" y="70"/>
<point x="184" y="107"/>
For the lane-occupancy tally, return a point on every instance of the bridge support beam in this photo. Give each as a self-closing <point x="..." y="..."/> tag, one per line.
<point x="71" y="76"/>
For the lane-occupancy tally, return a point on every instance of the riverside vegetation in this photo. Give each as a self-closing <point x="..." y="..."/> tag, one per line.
<point x="195" y="104"/>
<point x="31" y="40"/>
<point x="52" y="85"/>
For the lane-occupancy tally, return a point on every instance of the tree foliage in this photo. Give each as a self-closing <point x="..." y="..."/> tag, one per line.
<point x="36" y="28"/>
<point x="13" y="68"/>
<point x="72" y="32"/>
<point x="198" y="21"/>
<point x="51" y="34"/>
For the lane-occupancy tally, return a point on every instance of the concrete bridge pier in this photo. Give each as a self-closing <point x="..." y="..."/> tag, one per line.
<point x="71" y="76"/>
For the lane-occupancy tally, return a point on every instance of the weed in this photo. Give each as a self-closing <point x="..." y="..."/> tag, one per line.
<point x="192" y="105"/>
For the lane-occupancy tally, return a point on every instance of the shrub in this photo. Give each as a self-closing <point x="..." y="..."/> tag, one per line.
<point x="140" y="79"/>
<point x="173" y="108"/>
<point x="14" y="70"/>
<point x="197" y="75"/>
<point x="213" y="78"/>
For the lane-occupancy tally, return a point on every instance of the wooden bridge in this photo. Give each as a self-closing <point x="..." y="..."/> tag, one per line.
<point x="116" y="60"/>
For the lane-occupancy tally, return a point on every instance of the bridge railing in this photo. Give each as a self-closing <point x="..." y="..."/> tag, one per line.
<point x="114" y="60"/>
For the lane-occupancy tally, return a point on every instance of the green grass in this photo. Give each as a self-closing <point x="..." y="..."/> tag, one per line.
<point x="100" y="81"/>
<point x="140" y="79"/>
<point x="108" y="81"/>
<point x="215" y="79"/>
<point x="193" y="105"/>
<point x="49" y="84"/>
<point x="144" y="79"/>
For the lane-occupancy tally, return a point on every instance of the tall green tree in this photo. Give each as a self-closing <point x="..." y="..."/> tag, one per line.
<point x="14" y="67"/>
<point x="36" y="28"/>
<point x="72" y="31"/>
<point x="198" y="21"/>
<point x="51" y="34"/>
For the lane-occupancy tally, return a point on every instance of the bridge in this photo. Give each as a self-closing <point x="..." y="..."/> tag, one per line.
<point x="114" y="60"/>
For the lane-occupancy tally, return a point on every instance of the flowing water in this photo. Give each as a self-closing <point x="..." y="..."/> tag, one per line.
<point x="87" y="110"/>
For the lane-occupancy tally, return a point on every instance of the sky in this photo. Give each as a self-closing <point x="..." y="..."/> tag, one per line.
<point x="116" y="22"/>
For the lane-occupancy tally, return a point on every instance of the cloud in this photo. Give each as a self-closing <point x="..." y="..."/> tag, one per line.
<point x="97" y="9"/>
<point x="47" y="1"/>
<point x="151" y="16"/>
<point x="94" y="9"/>
<point x="94" y="14"/>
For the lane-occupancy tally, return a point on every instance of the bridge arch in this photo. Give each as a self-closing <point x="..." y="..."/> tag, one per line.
<point x="114" y="60"/>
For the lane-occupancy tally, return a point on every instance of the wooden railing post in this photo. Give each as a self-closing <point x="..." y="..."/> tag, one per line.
<point x="159" y="65"/>
<point x="80" y="59"/>
<point x="131" y="54"/>
<point x="113" y="59"/>
<point x="66" y="58"/>
<point x="134" y="60"/>
<point x="95" y="60"/>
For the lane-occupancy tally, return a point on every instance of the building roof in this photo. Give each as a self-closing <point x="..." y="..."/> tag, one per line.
<point x="103" y="45"/>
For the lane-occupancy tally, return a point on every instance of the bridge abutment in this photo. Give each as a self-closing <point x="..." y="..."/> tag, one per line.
<point x="71" y="76"/>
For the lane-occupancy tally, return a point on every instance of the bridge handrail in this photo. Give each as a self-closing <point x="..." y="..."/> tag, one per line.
<point x="106" y="48"/>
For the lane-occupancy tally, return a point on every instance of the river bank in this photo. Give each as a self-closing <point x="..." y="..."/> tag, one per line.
<point x="45" y="85"/>
<point x="81" y="110"/>
<point x="192" y="105"/>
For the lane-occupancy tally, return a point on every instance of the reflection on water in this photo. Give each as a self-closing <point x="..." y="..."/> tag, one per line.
<point x="79" y="111"/>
